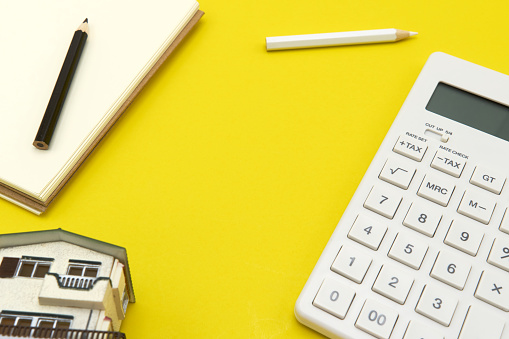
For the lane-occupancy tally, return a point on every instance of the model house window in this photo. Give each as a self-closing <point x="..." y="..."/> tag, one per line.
<point x="125" y="300"/>
<point x="42" y="321"/>
<point x="33" y="268"/>
<point x="15" y="321"/>
<point x="83" y="268"/>
<point x="29" y="267"/>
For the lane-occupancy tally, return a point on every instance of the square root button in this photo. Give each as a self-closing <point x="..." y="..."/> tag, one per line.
<point x="436" y="189"/>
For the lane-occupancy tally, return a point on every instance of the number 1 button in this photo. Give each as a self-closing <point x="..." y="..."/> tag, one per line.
<point x="377" y="319"/>
<point x="382" y="201"/>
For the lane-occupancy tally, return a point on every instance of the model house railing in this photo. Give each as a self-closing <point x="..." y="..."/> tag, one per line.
<point x="73" y="281"/>
<point x="9" y="331"/>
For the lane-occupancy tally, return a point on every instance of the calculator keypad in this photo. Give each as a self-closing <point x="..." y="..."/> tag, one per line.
<point x="461" y="229"/>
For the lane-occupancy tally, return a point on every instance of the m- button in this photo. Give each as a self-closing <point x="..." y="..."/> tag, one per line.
<point x="436" y="189"/>
<point x="409" y="147"/>
<point x="477" y="206"/>
<point x="448" y="163"/>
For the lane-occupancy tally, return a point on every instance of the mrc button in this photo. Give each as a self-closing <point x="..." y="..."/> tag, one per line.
<point x="436" y="189"/>
<point x="410" y="147"/>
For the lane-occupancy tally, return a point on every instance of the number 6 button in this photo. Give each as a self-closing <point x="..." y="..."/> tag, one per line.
<point x="334" y="298"/>
<point x="377" y="319"/>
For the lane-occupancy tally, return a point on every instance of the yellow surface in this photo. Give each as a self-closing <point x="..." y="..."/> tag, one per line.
<point x="226" y="177"/>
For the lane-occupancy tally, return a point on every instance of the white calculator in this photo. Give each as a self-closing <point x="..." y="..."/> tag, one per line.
<point x="422" y="250"/>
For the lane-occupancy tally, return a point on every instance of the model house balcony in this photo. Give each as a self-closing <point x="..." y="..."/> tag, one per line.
<point x="75" y="291"/>
<point x="9" y="331"/>
<point x="72" y="281"/>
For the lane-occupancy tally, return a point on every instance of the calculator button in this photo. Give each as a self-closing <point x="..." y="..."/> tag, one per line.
<point x="493" y="288"/>
<point x="408" y="250"/>
<point x="477" y="206"/>
<point x="397" y="173"/>
<point x="451" y="269"/>
<point x="448" y="163"/>
<point x="377" y="319"/>
<point x="410" y="148"/>
<point x="499" y="255"/>
<point x="504" y="226"/>
<point x="367" y="232"/>
<point x="334" y="297"/>
<point x="438" y="304"/>
<point x="465" y="237"/>
<point x="417" y="330"/>
<point x="422" y="219"/>
<point x="436" y="189"/>
<point x="383" y="202"/>
<point x="393" y="284"/>
<point x="351" y="264"/>
<point x="482" y="322"/>
<point x="488" y="179"/>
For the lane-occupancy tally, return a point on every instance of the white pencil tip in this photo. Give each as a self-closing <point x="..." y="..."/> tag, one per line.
<point x="413" y="33"/>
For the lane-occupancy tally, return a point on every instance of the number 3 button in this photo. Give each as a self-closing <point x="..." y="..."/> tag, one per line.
<point x="334" y="298"/>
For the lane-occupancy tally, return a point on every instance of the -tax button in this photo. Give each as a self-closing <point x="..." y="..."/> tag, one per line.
<point x="448" y="163"/>
<point x="436" y="189"/>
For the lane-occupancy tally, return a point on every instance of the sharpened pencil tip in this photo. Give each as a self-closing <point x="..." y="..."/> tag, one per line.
<point x="413" y="33"/>
<point x="86" y="20"/>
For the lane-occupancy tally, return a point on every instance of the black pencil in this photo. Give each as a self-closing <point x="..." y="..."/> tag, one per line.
<point x="56" y="102"/>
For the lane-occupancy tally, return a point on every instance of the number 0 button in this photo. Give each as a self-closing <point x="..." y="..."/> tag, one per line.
<point x="334" y="298"/>
<point x="377" y="319"/>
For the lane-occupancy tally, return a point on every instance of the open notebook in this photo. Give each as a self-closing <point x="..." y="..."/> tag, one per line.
<point x="128" y="41"/>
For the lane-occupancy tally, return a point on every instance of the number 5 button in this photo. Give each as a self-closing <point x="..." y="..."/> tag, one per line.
<point x="377" y="319"/>
<point x="334" y="298"/>
<point x="383" y="201"/>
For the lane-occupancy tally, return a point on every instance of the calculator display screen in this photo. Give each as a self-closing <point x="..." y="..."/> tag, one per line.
<point x="471" y="110"/>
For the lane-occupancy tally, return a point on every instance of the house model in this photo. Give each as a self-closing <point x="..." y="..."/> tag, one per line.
<point x="58" y="284"/>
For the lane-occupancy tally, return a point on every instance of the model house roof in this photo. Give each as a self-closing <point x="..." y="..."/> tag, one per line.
<point x="39" y="237"/>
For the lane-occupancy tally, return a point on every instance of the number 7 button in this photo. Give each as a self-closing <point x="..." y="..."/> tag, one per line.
<point x="383" y="201"/>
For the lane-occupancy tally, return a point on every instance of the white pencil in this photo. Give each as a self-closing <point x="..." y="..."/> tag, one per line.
<point x="336" y="39"/>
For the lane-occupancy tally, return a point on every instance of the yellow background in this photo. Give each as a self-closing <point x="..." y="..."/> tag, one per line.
<point x="226" y="177"/>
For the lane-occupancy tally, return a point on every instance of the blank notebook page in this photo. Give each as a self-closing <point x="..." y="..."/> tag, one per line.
<point x="126" y="38"/>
